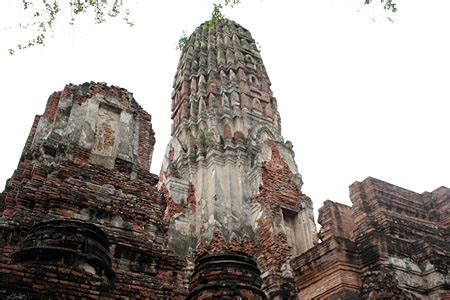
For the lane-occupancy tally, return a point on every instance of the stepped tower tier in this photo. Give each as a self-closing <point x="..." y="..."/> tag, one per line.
<point x="81" y="217"/>
<point x="227" y="169"/>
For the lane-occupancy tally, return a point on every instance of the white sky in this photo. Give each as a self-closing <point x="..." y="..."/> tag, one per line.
<point x="358" y="95"/>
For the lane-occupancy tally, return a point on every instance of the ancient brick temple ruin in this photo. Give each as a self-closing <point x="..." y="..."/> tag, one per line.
<point x="82" y="216"/>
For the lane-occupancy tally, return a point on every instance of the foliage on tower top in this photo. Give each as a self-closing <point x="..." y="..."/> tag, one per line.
<point x="42" y="14"/>
<point x="216" y="16"/>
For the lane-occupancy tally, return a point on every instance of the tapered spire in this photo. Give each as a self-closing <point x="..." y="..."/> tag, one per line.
<point x="227" y="170"/>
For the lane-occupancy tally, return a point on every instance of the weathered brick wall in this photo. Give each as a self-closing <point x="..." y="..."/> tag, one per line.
<point x="226" y="276"/>
<point x="279" y="197"/>
<point x="331" y="269"/>
<point x="377" y="200"/>
<point x="442" y="197"/>
<point x="278" y="190"/>
<point x="392" y="243"/>
<point x="121" y="199"/>
<point x="336" y="220"/>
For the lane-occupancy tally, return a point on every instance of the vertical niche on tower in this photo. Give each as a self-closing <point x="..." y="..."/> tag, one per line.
<point x="104" y="149"/>
<point x="292" y="225"/>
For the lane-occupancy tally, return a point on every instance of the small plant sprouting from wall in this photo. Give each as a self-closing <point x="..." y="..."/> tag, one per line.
<point x="205" y="138"/>
<point x="182" y="42"/>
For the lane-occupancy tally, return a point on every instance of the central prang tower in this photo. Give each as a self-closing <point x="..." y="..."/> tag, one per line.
<point x="230" y="181"/>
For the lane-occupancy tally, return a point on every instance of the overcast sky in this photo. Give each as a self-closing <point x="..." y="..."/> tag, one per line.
<point x="358" y="95"/>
